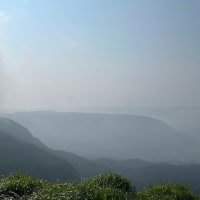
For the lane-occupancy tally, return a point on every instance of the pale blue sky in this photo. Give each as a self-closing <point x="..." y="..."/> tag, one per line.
<point x="80" y="53"/>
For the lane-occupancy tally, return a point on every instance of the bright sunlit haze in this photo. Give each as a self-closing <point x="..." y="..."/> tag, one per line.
<point x="69" y="54"/>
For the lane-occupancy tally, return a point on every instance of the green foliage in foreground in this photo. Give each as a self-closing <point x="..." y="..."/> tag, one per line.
<point x="167" y="192"/>
<point x="103" y="187"/>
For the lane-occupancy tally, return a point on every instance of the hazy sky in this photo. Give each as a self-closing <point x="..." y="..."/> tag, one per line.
<point x="91" y="53"/>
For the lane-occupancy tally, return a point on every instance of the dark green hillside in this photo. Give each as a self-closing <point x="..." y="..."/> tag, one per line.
<point x="16" y="155"/>
<point x="23" y="156"/>
<point x="85" y="167"/>
<point x="18" y="131"/>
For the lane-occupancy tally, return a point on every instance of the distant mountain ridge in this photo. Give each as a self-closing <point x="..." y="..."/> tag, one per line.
<point x="109" y="135"/>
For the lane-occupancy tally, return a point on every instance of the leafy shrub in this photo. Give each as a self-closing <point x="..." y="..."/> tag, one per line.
<point x="107" y="186"/>
<point x="167" y="192"/>
<point x="18" y="185"/>
<point x="55" y="191"/>
<point x="114" y="181"/>
<point x="90" y="189"/>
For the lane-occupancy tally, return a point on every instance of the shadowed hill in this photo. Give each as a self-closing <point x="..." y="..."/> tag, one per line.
<point x="17" y="154"/>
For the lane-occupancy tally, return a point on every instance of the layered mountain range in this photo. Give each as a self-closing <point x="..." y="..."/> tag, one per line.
<point x="110" y="135"/>
<point x="21" y="150"/>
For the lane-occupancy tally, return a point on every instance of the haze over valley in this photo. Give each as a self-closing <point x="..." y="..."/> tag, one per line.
<point x="110" y="135"/>
<point x="88" y="87"/>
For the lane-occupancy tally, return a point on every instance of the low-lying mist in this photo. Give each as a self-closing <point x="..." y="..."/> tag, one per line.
<point x="111" y="135"/>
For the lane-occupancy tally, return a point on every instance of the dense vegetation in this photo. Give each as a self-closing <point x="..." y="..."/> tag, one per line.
<point x="103" y="187"/>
